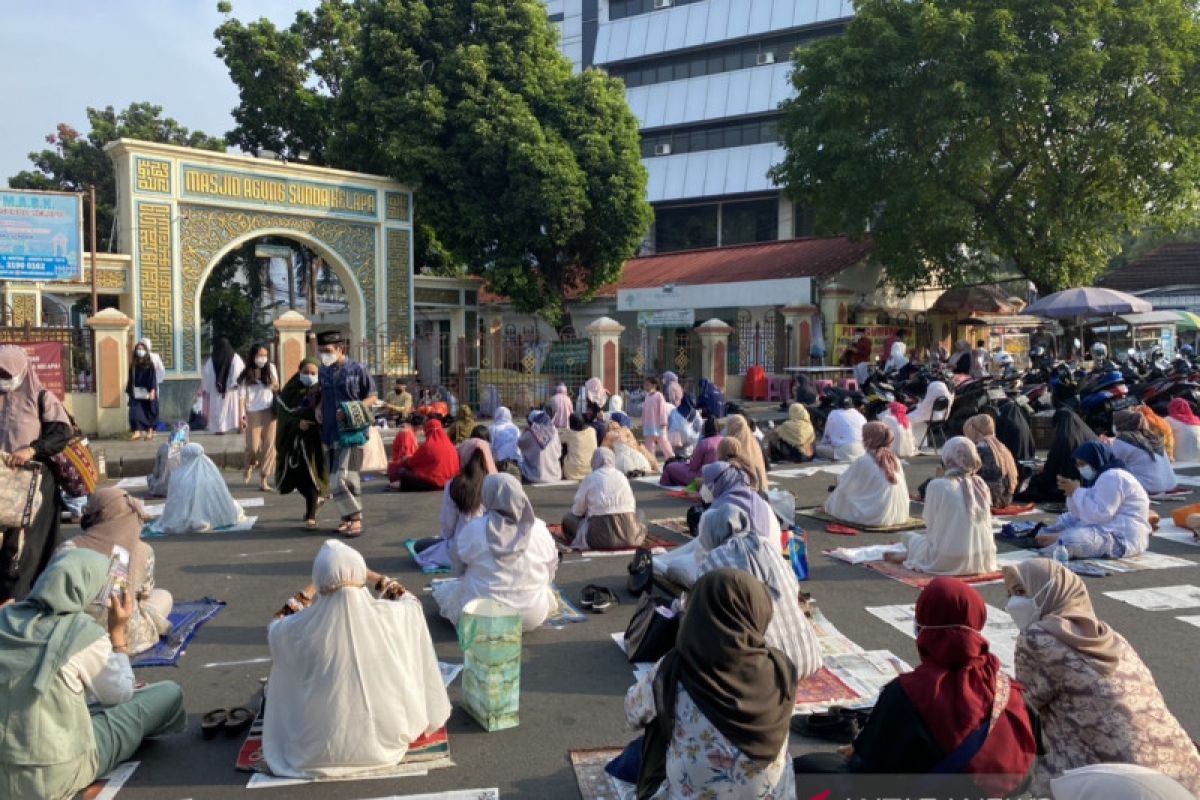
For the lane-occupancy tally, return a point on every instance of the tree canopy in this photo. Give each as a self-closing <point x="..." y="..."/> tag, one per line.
<point x="525" y="174"/>
<point x="971" y="137"/>
<point x="74" y="161"/>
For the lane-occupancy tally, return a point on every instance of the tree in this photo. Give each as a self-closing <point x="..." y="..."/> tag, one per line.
<point x="975" y="136"/>
<point x="526" y="174"/>
<point x="75" y="161"/>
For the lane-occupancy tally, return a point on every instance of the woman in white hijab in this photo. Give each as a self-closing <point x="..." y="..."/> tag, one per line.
<point x="919" y="416"/>
<point x="354" y="680"/>
<point x="504" y="437"/>
<point x="507" y="555"/>
<point x="897" y="359"/>
<point x="197" y="498"/>
<point x="604" y="514"/>
<point x="873" y="490"/>
<point x="958" y="515"/>
<point x="1117" y="782"/>
<point x="726" y="536"/>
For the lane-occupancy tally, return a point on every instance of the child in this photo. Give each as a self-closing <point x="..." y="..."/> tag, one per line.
<point x="655" y="416"/>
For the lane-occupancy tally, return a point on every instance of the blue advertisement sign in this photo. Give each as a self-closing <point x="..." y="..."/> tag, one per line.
<point x="41" y="236"/>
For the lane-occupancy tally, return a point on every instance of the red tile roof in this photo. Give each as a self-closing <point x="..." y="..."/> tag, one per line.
<point x="1166" y="265"/>
<point x="761" y="261"/>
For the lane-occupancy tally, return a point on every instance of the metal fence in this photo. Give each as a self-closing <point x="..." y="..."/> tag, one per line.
<point x="653" y="351"/>
<point x="520" y="370"/>
<point x="77" y="344"/>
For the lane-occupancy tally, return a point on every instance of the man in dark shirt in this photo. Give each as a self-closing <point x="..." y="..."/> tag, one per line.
<point x="342" y="381"/>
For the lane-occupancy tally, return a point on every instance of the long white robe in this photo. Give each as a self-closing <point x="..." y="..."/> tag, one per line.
<point x="843" y="434"/>
<point x="354" y="681"/>
<point x="905" y="445"/>
<point x="222" y="410"/>
<point x="919" y="416"/>
<point x="864" y="496"/>
<point x="1187" y="440"/>
<point x="524" y="585"/>
<point x="1153" y="472"/>
<point x="197" y="498"/>
<point x="1116" y="504"/>
<point x="955" y="543"/>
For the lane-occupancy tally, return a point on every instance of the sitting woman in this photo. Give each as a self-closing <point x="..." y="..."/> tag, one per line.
<point x="633" y="459"/>
<point x="999" y="470"/>
<point x="726" y="537"/>
<point x="1108" y="511"/>
<point x="1069" y="433"/>
<point x="464" y="422"/>
<point x="578" y="443"/>
<point x="167" y="460"/>
<point x="1117" y="782"/>
<point x="507" y="555"/>
<point x="873" y="490"/>
<point x="1144" y="454"/>
<point x="793" y="440"/>
<point x="1185" y="426"/>
<point x="842" y="440"/>
<point x="462" y="501"/>
<point x="685" y="426"/>
<point x="111" y="520"/>
<point x="958" y="517"/>
<point x="895" y="416"/>
<point x="403" y="448"/>
<point x="1098" y="702"/>
<point x="541" y="450"/>
<point x="433" y="465"/>
<point x="927" y="722"/>
<point x="559" y="407"/>
<point x="1160" y="428"/>
<point x="604" y="514"/>
<point x="683" y="473"/>
<point x="354" y="680"/>
<point x="505" y="434"/>
<point x="197" y="499"/>
<point x="55" y="661"/>
<point x="923" y="413"/>
<point x="722" y="696"/>
<point x="737" y="429"/>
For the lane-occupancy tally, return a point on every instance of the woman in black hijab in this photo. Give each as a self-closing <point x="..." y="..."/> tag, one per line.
<point x="721" y="696"/>
<point x="1069" y="432"/>
<point x="222" y="358"/>
<point x="1012" y="429"/>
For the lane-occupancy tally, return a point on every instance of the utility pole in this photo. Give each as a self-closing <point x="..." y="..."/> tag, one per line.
<point x="95" y="268"/>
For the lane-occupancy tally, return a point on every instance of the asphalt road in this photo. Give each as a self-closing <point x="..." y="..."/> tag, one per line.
<point x="573" y="679"/>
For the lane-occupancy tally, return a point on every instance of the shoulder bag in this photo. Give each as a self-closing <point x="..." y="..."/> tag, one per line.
<point x="650" y="634"/>
<point x="74" y="466"/>
<point x="20" y="494"/>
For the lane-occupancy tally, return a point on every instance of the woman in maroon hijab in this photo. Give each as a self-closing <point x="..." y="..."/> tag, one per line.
<point x="956" y="723"/>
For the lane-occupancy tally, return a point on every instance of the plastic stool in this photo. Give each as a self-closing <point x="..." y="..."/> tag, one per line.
<point x="778" y="389"/>
<point x="849" y="384"/>
<point x="822" y="385"/>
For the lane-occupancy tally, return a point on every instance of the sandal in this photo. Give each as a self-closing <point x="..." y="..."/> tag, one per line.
<point x="310" y="524"/>
<point x="212" y="722"/>
<point x="354" y="529"/>
<point x="237" y="720"/>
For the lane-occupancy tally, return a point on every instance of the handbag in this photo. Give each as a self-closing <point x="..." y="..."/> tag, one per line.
<point x="641" y="572"/>
<point x="353" y="423"/>
<point x="650" y="634"/>
<point x="20" y="494"/>
<point x="75" y="468"/>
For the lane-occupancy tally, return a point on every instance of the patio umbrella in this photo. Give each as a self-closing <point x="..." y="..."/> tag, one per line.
<point x="989" y="299"/>
<point x="1087" y="301"/>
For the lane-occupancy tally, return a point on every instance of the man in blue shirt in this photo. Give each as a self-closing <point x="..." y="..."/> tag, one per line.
<point x="342" y="381"/>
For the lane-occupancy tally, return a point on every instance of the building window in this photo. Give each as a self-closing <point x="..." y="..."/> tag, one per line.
<point x="685" y="228"/>
<point x="804" y="221"/>
<point x="619" y="9"/>
<point x="753" y="221"/>
<point x="709" y="137"/>
<point x="712" y="61"/>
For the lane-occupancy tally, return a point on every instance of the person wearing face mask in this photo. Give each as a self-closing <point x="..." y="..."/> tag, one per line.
<point x="257" y="386"/>
<point x="142" y="391"/>
<point x="34" y="426"/>
<point x="399" y="402"/>
<point x="1108" y="511"/>
<point x="1097" y="701"/>
<point x="343" y="381"/>
<point x="956" y="723"/>
<point x="301" y="463"/>
<point x="113" y="519"/>
<point x="218" y="388"/>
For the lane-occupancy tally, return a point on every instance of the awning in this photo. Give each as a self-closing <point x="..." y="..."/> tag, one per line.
<point x="1006" y="321"/>
<point x="1151" y="318"/>
<point x="1188" y="321"/>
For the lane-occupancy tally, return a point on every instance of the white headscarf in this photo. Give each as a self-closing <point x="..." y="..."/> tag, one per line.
<point x="924" y="409"/>
<point x="197" y="497"/>
<point x="353" y="680"/>
<point x="898" y="358"/>
<point x="1117" y="782"/>
<point x="160" y="372"/>
<point x="509" y="517"/>
<point x="504" y="436"/>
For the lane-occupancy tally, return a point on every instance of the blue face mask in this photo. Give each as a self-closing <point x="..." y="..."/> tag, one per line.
<point x="1087" y="472"/>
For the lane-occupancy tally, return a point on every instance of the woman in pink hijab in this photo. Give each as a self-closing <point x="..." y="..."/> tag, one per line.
<point x="560" y="407"/>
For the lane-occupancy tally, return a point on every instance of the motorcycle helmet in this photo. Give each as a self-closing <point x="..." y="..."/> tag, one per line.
<point x="1188" y="351"/>
<point x="1099" y="351"/>
<point x="1003" y="359"/>
<point x="1036" y="352"/>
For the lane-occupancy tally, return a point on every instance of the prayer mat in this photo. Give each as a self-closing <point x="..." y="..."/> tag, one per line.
<point x="862" y="555"/>
<point x="594" y="782"/>
<point x="411" y="546"/>
<point x="1015" y="511"/>
<point x="566" y="611"/>
<point x="899" y="572"/>
<point x="1139" y="563"/>
<point x="674" y="525"/>
<point x="552" y="483"/>
<point x="152" y="531"/>
<point x="1176" y="495"/>
<point x="1053" y="508"/>
<point x="453" y="794"/>
<point x="133" y="484"/>
<point x="684" y="494"/>
<point x="657" y="544"/>
<point x="1175" y="533"/>
<point x="821" y="690"/>
<point x="913" y="523"/>
<point x="106" y="788"/>
<point x="186" y="619"/>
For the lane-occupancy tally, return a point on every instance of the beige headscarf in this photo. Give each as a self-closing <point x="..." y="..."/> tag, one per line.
<point x="1065" y="610"/>
<point x="737" y="428"/>
<point x="877" y="439"/>
<point x="730" y="451"/>
<point x="20" y="416"/>
<point x="798" y="430"/>
<point x="961" y="461"/>
<point x="982" y="428"/>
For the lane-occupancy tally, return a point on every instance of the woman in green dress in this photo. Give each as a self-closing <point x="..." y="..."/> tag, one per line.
<point x="301" y="463"/>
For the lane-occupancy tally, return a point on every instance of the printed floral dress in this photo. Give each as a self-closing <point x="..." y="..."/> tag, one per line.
<point x="701" y="762"/>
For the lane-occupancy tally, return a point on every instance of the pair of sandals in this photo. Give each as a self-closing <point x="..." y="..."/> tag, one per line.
<point x="233" y="721"/>
<point x="597" y="599"/>
<point x="838" y="724"/>
<point x="350" y="528"/>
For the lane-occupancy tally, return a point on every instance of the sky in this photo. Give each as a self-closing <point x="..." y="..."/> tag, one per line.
<point x="61" y="56"/>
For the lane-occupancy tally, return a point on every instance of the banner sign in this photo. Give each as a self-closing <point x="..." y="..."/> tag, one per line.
<point x="844" y="338"/>
<point x="41" y="236"/>
<point x="46" y="359"/>
<point x="669" y="318"/>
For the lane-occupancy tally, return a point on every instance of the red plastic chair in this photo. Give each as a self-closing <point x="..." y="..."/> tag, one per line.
<point x="755" y="385"/>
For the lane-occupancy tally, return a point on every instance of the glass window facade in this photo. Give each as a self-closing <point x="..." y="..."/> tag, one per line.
<point x="710" y="137"/>
<point x="619" y="9"/>
<point x="751" y="221"/>
<point x="712" y="224"/>
<point x="685" y="228"/>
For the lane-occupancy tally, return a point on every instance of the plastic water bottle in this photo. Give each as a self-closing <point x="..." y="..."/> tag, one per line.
<point x="1061" y="555"/>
